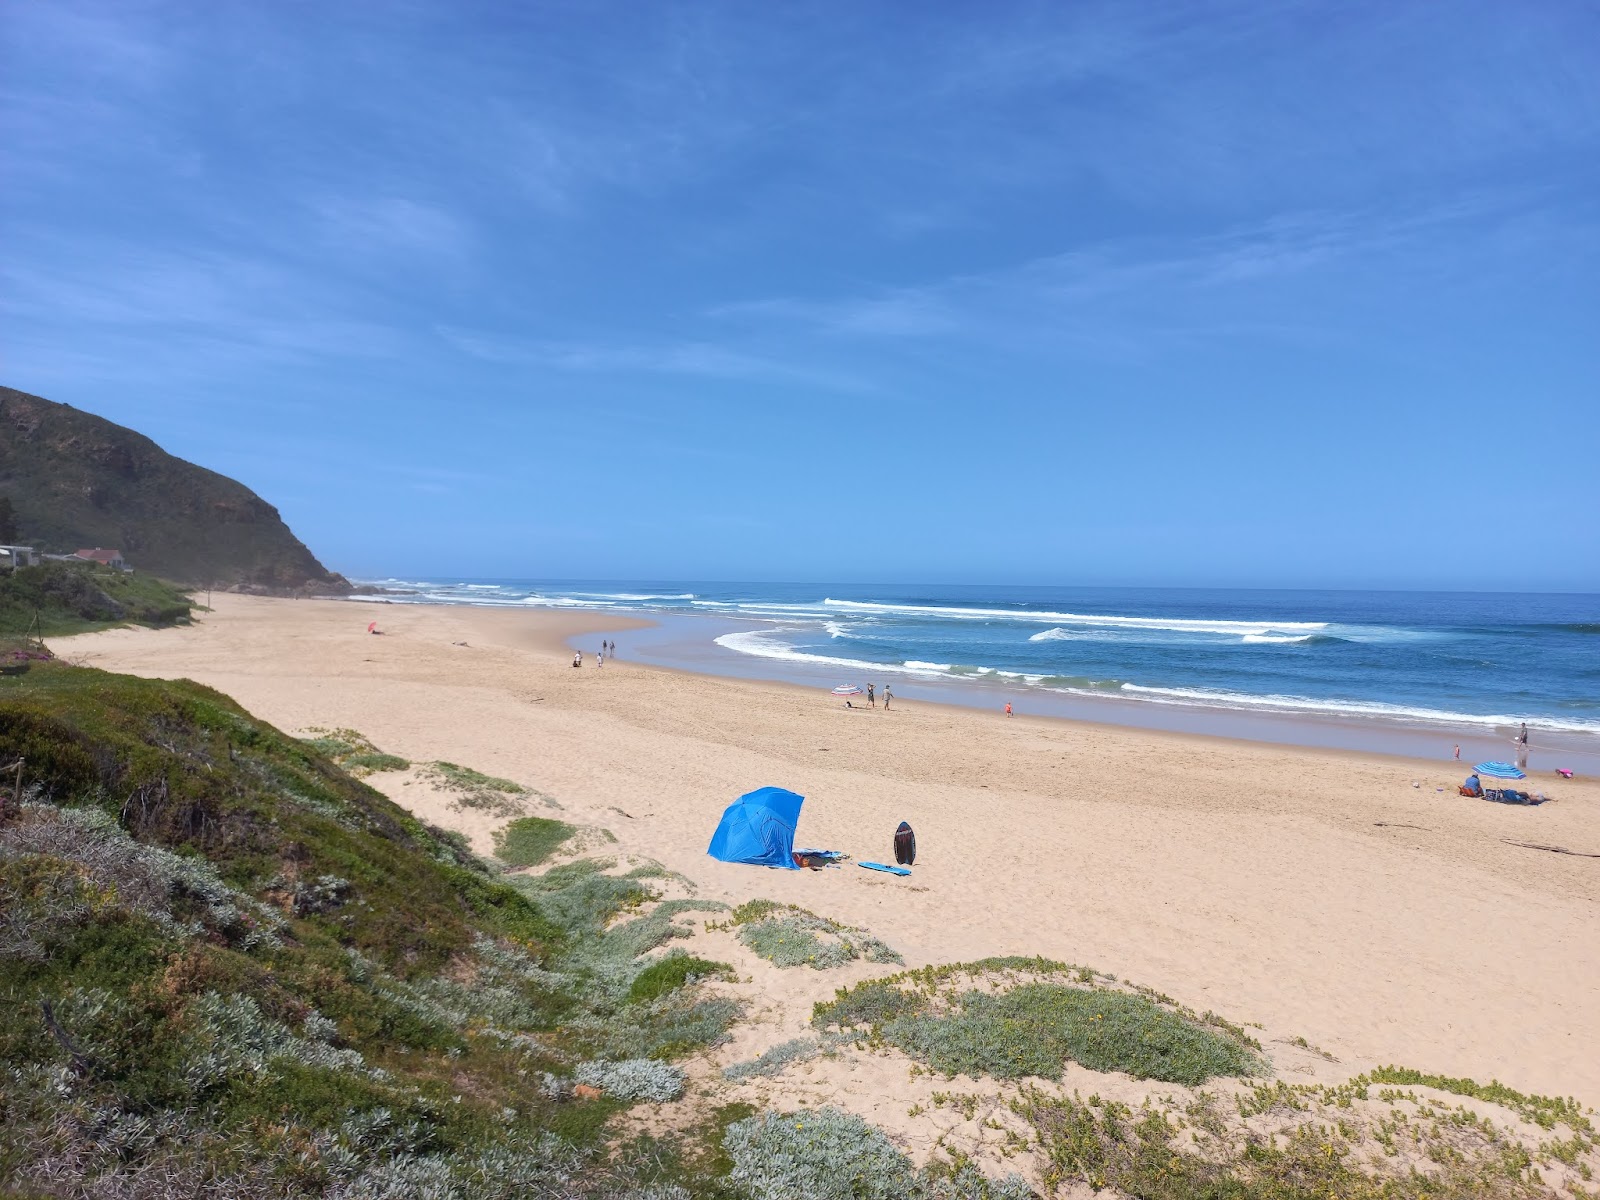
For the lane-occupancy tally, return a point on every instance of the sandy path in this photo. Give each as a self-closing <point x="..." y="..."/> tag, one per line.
<point x="1250" y="879"/>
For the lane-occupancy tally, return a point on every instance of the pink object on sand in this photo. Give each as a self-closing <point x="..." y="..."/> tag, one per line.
<point x="1564" y="772"/>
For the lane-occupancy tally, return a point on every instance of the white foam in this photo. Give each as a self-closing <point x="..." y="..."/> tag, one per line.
<point x="1350" y="708"/>
<point x="1091" y="620"/>
<point x="761" y="643"/>
<point x="913" y="665"/>
<point x="1273" y="639"/>
<point x="635" y="595"/>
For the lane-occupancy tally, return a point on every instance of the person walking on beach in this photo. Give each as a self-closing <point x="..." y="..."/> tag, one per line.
<point x="600" y="659"/>
<point x="1008" y="708"/>
<point x="871" y="700"/>
<point x="888" y="695"/>
<point x="1523" y="736"/>
<point x="1458" y="751"/>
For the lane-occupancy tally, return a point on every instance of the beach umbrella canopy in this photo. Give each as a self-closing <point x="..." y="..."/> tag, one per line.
<point x="758" y="829"/>
<point x="847" y="689"/>
<point x="1499" y="770"/>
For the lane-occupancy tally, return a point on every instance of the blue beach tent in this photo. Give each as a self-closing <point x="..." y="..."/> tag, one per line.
<point x="758" y="828"/>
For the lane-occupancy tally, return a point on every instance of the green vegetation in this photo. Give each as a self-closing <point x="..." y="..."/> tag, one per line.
<point x="1161" y="1154"/>
<point x="79" y="597"/>
<point x="474" y="789"/>
<point x="672" y="972"/>
<point x="1017" y="1028"/>
<point x="77" y="480"/>
<point x="227" y="967"/>
<point x="788" y="936"/>
<point x="528" y="841"/>
<point x="825" y="1154"/>
<point x="353" y="752"/>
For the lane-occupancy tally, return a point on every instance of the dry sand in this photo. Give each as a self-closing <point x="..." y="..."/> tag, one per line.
<point x="1316" y="893"/>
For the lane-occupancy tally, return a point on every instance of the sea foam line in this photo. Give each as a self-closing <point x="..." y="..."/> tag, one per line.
<point x="1173" y="624"/>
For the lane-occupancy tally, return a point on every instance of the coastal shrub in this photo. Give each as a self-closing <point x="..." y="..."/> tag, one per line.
<point x="474" y="789"/>
<point x="633" y="1079"/>
<point x="672" y="972"/>
<point x="816" y="1154"/>
<point x="1023" y="1025"/>
<point x="826" y="1154"/>
<point x="353" y="751"/>
<point x="180" y="893"/>
<point x="773" y="1061"/>
<point x="788" y="936"/>
<point x="1034" y="1028"/>
<point x="528" y="841"/>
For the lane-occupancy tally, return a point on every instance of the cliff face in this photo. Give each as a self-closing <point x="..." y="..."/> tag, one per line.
<point x="77" y="480"/>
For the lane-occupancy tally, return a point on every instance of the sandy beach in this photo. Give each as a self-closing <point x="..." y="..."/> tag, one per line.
<point x="1318" y="894"/>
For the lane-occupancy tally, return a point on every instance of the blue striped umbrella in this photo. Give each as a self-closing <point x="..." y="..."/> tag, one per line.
<point x="1499" y="770"/>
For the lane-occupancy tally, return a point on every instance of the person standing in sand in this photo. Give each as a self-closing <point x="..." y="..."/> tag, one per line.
<point x="871" y="700"/>
<point x="1008" y="708"/>
<point x="888" y="695"/>
<point x="1458" y="751"/>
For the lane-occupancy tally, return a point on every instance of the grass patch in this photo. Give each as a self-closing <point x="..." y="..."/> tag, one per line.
<point x="788" y="936"/>
<point x="474" y="789"/>
<point x="528" y="841"/>
<point x="354" y="752"/>
<point x="673" y="972"/>
<point x="1021" y="1027"/>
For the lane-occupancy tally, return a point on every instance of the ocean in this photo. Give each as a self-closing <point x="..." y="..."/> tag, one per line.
<point x="1473" y="665"/>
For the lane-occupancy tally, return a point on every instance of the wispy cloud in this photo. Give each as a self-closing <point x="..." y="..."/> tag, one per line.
<point x="704" y="359"/>
<point x="1156" y="286"/>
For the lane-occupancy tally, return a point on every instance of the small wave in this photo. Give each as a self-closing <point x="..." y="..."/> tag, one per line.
<point x="912" y="664"/>
<point x="836" y="630"/>
<point x="635" y="595"/>
<point x="763" y="643"/>
<point x="1111" y="621"/>
<point x="1274" y="639"/>
<point x="1346" y="708"/>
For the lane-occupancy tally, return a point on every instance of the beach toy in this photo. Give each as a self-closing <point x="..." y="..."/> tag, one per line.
<point x="1564" y="772"/>
<point x="882" y="867"/>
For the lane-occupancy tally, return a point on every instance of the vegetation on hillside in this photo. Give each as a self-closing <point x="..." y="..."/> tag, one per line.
<point x="77" y="597"/>
<point x="228" y="968"/>
<point x="77" y="480"/>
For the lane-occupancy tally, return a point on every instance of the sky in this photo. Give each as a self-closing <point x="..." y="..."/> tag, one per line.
<point x="1223" y="294"/>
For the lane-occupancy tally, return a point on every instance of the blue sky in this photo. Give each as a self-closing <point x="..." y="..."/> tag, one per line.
<point x="1256" y="294"/>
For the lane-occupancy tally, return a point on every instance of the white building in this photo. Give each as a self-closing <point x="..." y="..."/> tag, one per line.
<point x="18" y="556"/>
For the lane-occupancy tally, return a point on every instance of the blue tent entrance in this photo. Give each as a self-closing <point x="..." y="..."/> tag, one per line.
<point x="758" y="828"/>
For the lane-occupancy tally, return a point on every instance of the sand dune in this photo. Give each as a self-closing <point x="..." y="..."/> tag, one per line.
<point x="1318" y="894"/>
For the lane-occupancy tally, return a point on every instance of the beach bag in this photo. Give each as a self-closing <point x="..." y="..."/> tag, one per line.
<point x="905" y="845"/>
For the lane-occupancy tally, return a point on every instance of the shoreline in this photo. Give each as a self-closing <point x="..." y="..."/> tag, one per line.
<point x="1316" y="892"/>
<point x="657" y="641"/>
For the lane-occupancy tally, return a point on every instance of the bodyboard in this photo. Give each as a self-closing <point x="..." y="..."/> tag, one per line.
<point x="883" y="867"/>
<point x="905" y="845"/>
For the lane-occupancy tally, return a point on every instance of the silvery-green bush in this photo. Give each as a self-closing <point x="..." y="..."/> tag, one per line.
<point x="826" y="1154"/>
<point x="633" y="1079"/>
<point x="143" y="879"/>
<point x="817" y="1154"/>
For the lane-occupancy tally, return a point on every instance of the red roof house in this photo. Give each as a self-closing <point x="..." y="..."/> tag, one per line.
<point x="107" y="558"/>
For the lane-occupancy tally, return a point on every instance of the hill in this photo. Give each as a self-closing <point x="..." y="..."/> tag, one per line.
<point x="77" y="597"/>
<point x="76" y="480"/>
